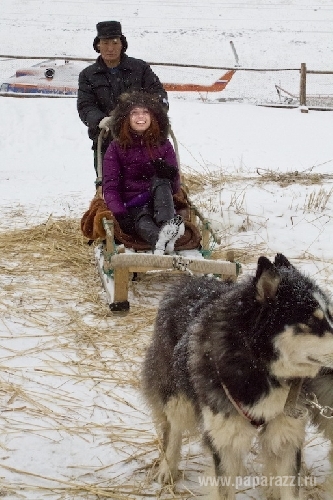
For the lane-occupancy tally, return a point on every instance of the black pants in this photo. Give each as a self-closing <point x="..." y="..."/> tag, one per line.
<point x="148" y="219"/>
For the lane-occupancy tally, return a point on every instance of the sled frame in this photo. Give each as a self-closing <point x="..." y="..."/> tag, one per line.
<point x="120" y="266"/>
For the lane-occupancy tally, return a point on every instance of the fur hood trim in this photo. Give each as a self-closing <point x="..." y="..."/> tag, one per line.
<point x="129" y="101"/>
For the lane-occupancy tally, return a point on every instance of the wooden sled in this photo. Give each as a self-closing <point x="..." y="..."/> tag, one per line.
<point x="313" y="101"/>
<point x="119" y="256"/>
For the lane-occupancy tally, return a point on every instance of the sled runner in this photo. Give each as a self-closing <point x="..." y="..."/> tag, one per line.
<point x="119" y="255"/>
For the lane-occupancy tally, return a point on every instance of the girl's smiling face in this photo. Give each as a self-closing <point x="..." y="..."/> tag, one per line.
<point x="140" y="119"/>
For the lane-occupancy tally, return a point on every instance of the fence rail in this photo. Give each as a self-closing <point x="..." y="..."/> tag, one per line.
<point x="280" y="87"/>
<point x="152" y="63"/>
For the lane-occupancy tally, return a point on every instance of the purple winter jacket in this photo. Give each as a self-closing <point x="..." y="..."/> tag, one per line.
<point x="127" y="173"/>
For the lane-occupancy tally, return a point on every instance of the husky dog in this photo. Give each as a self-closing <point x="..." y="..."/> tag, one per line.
<point x="223" y="357"/>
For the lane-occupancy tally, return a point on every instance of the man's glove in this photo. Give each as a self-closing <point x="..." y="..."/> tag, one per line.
<point x="164" y="170"/>
<point x="105" y="123"/>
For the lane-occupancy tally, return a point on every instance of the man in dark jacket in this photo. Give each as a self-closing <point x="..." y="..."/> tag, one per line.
<point x="113" y="73"/>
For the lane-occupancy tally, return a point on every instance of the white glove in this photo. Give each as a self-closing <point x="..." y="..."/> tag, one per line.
<point x="105" y="123"/>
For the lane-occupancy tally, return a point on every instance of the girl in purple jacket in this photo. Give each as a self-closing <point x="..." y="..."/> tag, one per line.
<point x="140" y="172"/>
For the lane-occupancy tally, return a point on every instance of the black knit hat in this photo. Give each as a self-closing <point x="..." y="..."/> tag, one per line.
<point x="108" y="29"/>
<point x="128" y="101"/>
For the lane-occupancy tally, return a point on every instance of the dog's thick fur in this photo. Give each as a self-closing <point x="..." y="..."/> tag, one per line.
<point x="222" y="358"/>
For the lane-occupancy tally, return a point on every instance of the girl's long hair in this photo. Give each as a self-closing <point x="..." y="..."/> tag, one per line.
<point x="151" y="136"/>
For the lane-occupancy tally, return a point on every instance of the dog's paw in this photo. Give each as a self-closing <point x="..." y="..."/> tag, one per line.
<point x="166" y="474"/>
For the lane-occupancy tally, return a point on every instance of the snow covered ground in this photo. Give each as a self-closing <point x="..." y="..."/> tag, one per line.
<point x="71" y="419"/>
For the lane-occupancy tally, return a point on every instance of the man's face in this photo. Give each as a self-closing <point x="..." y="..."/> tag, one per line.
<point x="110" y="49"/>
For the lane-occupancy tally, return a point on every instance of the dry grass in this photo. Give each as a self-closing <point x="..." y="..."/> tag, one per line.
<point x="288" y="178"/>
<point x="317" y="200"/>
<point x="217" y="178"/>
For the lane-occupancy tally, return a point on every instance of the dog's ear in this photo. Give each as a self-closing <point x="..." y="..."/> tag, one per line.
<point x="282" y="261"/>
<point x="267" y="280"/>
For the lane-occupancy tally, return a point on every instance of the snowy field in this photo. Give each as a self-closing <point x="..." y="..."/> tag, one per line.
<point x="72" y="422"/>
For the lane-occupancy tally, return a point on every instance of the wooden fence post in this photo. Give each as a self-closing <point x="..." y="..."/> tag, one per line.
<point x="302" y="91"/>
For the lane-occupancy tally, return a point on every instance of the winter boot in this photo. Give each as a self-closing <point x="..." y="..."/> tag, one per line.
<point x="170" y="246"/>
<point x="170" y="231"/>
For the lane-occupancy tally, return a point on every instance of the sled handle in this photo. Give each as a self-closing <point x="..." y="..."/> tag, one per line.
<point x="99" y="158"/>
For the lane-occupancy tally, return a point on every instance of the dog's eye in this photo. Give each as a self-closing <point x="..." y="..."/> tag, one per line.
<point x="318" y="323"/>
<point x="301" y="328"/>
